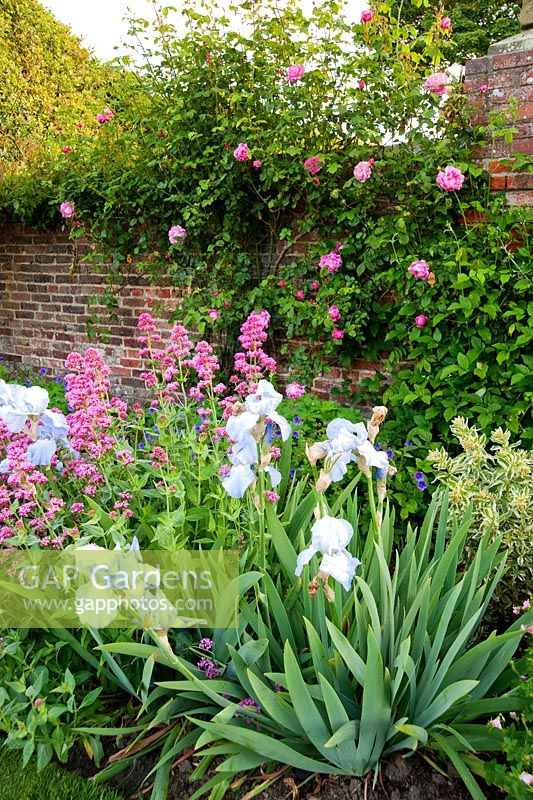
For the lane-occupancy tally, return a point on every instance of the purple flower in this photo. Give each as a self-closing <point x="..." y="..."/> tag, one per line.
<point x="295" y="435"/>
<point x="408" y="444"/>
<point x="209" y="668"/>
<point x="390" y="453"/>
<point x="67" y="209"/>
<point x="297" y="420"/>
<point x="206" y="644"/>
<point x="422" y="485"/>
<point x="419" y="476"/>
<point x="176" y="234"/>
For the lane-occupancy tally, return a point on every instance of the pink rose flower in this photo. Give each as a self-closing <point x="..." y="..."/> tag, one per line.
<point x="313" y="165"/>
<point x="334" y="314"/>
<point x="300" y="294"/>
<point x="213" y="313"/>
<point x="420" y="269"/>
<point x="176" y="234"/>
<point x="337" y="334"/>
<point x="367" y="16"/>
<point x="294" y="391"/>
<point x="484" y="88"/>
<point x="331" y="261"/>
<point x="437" y="83"/>
<point x="315" y="285"/>
<point x="451" y="179"/>
<point x="445" y="24"/>
<point x="106" y="116"/>
<point x="362" y="85"/>
<point x="421" y="320"/>
<point x="67" y="209"/>
<point x="295" y="72"/>
<point x="257" y="164"/>
<point x="282" y="283"/>
<point x="242" y="152"/>
<point x="363" y="170"/>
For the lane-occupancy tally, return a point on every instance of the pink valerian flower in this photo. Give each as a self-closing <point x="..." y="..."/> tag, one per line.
<point x="206" y="644"/>
<point x="445" y="24"/>
<point x="76" y="508"/>
<point x="451" y="179"/>
<point x="367" y="16"/>
<point x="421" y="320"/>
<point x="146" y="323"/>
<point x="437" y="83"/>
<point x="251" y="363"/>
<point x="337" y="334"/>
<point x="294" y="390"/>
<point x="275" y="452"/>
<point x="205" y="364"/>
<point x="363" y="170"/>
<point x="213" y="314"/>
<point x="272" y="497"/>
<point x="295" y="72"/>
<point x="180" y="345"/>
<point x="420" y="269"/>
<point x="484" y="88"/>
<point x="176" y="234"/>
<point x="331" y="261"/>
<point x="313" y="165"/>
<point x="159" y="456"/>
<point x="334" y="314"/>
<point x="242" y="152"/>
<point x="224" y="470"/>
<point x="257" y="164"/>
<point x="209" y="668"/>
<point x="106" y="116"/>
<point x="67" y="209"/>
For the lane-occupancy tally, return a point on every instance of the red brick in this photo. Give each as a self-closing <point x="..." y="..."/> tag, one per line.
<point x="498" y="182"/>
<point x="523" y="198"/>
<point x="520" y="181"/>
<point x="476" y="65"/>
<point x="510" y="60"/>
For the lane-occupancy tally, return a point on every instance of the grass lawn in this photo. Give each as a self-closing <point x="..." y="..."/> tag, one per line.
<point x="52" y="783"/>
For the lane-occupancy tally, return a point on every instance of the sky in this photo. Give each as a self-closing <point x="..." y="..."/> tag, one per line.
<point x="100" y="22"/>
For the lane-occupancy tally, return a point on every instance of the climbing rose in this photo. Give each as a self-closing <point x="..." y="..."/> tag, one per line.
<point x="451" y="179"/>
<point x="294" y="391"/>
<point x="445" y="24"/>
<point x="242" y="152"/>
<point x="67" y="209"/>
<point x="313" y="165"/>
<point x="334" y="314"/>
<point x="337" y="333"/>
<point x="332" y="261"/>
<point x="363" y="170"/>
<point x="367" y="16"/>
<point x="421" y="320"/>
<point x="257" y="164"/>
<point x="176" y="234"/>
<point x="300" y="295"/>
<point x="420" y="269"/>
<point x="295" y="72"/>
<point x="437" y="83"/>
<point x="213" y="313"/>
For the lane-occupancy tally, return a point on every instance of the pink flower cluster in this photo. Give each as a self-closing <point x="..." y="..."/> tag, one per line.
<point x="451" y="179"/>
<point x="294" y="390"/>
<point x="363" y="170"/>
<point x="250" y="365"/>
<point x="334" y="314"/>
<point x="242" y="152"/>
<point x="367" y="16"/>
<point x="295" y="72"/>
<point x="420" y="269"/>
<point x="313" y="165"/>
<point x="67" y="209"/>
<point x="106" y="116"/>
<point x="176" y="234"/>
<point x="437" y="83"/>
<point x="331" y="261"/>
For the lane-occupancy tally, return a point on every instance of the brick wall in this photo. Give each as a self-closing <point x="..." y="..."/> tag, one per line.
<point x="44" y="304"/>
<point x="44" y="308"/>
<point x="507" y="75"/>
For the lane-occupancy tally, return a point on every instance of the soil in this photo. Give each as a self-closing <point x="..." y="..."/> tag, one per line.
<point x="400" y="779"/>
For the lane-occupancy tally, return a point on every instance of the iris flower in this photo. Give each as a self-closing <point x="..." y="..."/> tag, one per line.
<point x="330" y="537"/>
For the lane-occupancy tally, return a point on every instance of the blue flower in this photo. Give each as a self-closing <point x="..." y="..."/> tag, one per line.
<point x="377" y="446"/>
<point x="151" y="410"/>
<point x="2" y="359"/>
<point x="59" y="379"/>
<point x="297" y="420"/>
<point x="295" y="435"/>
<point x="408" y="444"/>
<point x="380" y="473"/>
<point x="28" y="383"/>
<point x="43" y="371"/>
<point x="390" y="453"/>
<point x="419" y="476"/>
<point x="269" y="432"/>
<point x="292" y="473"/>
<point x="422" y="485"/>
